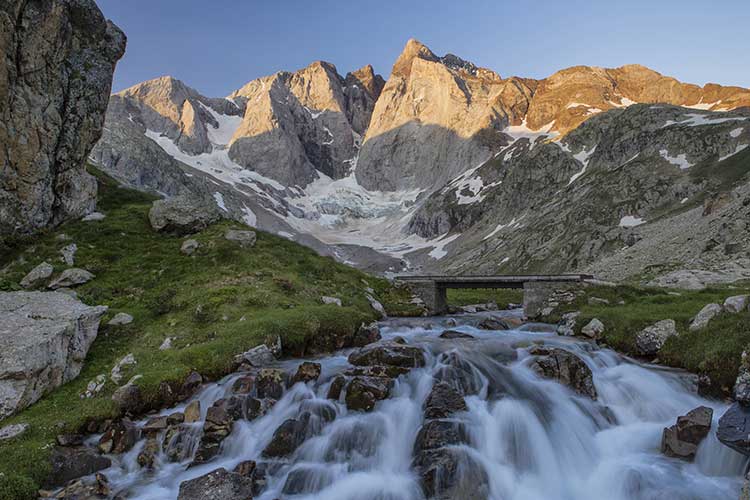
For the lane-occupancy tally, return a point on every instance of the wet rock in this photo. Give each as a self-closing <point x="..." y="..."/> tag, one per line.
<point x="216" y="428"/>
<point x="68" y="463"/>
<point x="305" y="479"/>
<point x="307" y="372"/>
<point x="190" y="386"/>
<point x="155" y="425"/>
<point x="261" y="355"/>
<point x="705" y="315"/>
<point x="438" y="433"/>
<point x="443" y="401"/>
<point x="564" y="367"/>
<point x="70" y="278"/>
<point x="255" y="407"/>
<point x="286" y="439"/>
<point x="70" y="439"/>
<point x="44" y="340"/>
<point x="189" y="247"/>
<point x="734" y="428"/>
<point x="331" y="301"/>
<point x="451" y="474"/>
<point x="567" y="324"/>
<point x="459" y="374"/>
<point x="120" y="318"/>
<point x="37" y="275"/>
<point x="388" y="353"/>
<point x="246" y="468"/>
<point x="682" y="439"/>
<point x="193" y="412"/>
<point x="736" y="304"/>
<point x="337" y="385"/>
<point x="243" y="385"/>
<point x="651" y="339"/>
<point x="270" y="383"/>
<point x="377" y="371"/>
<point x="219" y="485"/>
<point x="13" y="431"/>
<point x="182" y="215"/>
<point x="455" y="334"/>
<point x="179" y="442"/>
<point x="119" y="437"/>
<point x="492" y="323"/>
<point x="246" y="239"/>
<point x="175" y="418"/>
<point x="96" y="488"/>
<point x="366" y="334"/>
<point x="363" y="392"/>
<point x="147" y="457"/>
<point x="593" y="329"/>
<point x="312" y="409"/>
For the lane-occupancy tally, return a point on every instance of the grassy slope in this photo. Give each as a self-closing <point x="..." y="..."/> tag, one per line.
<point x="714" y="350"/>
<point x="216" y="303"/>
<point x="469" y="296"/>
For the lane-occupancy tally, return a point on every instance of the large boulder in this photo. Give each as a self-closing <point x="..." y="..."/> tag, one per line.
<point x="68" y="463"/>
<point x="443" y="401"/>
<point x="388" y="353"/>
<point x="183" y="215"/>
<point x="363" y="392"/>
<point x="701" y="320"/>
<point x="650" y="340"/>
<point x="564" y="367"/>
<point x="682" y="439"/>
<point x="742" y="383"/>
<point x="245" y="239"/>
<point x="734" y="428"/>
<point x="217" y="485"/>
<point x="56" y="73"/>
<point x="593" y="329"/>
<point x="736" y="304"/>
<point x="44" y="339"/>
<point x="37" y="275"/>
<point x="450" y="473"/>
<point x="71" y="277"/>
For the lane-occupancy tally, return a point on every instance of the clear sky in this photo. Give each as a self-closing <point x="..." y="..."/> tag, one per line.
<point x="216" y="46"/>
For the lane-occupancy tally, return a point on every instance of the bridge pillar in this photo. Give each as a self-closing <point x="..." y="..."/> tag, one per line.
<point x="536" y="297"/>
<point x="434" y="296"/>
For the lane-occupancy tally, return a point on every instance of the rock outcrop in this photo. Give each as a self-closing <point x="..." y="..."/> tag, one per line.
<point x="44" y="339"/>
<point x="682" y="439"/>
<point x="56" y="74"/>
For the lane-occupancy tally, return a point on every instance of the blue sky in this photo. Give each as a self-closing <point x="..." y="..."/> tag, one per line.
<point x="217" y="46"/>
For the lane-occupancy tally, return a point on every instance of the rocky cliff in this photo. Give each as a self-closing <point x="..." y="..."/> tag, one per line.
<point x="55" y="79"/>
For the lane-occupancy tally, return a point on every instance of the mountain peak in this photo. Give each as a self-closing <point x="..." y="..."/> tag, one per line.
<point x="412" y="50"/>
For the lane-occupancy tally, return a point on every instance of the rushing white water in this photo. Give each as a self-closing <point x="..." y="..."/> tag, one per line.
<point x="534" y="438"/>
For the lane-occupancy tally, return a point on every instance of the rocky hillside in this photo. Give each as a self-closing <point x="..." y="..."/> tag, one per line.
<point x="56" y="75"/>
<point x="451" y="167"/>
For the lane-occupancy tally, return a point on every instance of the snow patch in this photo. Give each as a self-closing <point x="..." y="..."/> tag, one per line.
<point x="220" y="201"/>
<point x="583" y="156"/>
<point x="741" y="147"/>
<point x="736" y="132"/>
<point x="698" y="119"/>
<point x="513" y="224"/>
<point x="522" y="131"/>
<point x="228" y="125"/>
<point x="680" y="160"/>
<point x="703" y="105"/>
<point x="439" y="251"/>
<point x="248" y="216"/>
<point x="631" y="221"/>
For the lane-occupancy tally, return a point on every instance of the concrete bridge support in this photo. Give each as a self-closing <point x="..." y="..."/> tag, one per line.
<point x="434" y="296"/>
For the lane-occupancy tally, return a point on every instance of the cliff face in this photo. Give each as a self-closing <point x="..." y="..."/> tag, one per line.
<point x="58" y="57"/>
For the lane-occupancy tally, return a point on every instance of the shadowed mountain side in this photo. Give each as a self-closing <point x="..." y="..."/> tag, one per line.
<point x="416" y="156"/>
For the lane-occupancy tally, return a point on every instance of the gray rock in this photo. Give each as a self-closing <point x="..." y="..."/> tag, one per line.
<point x="363" y="392"/>
<point x="246" y="239"/>
<point x="565" y="368"/>
<point x="183" y="215"/>
<point x="68" y="463"/>
<point x="217" y="485"/>
<point x="120" y="318"/>
<point x="736" y="304"/>
<point x="742" y="384"/>
<point x="307" y="372"/>
<point x="12" y="431"/>
<point x="36" y="275"/>
<point x="261" y="355"/>
<point x="366" y="334"/>
<point x="705" y="315"/>
<point x="94" y="217"/>
<point x="331" y="301"/>
<point x="377" y="306"/>
<point x="189" y="247"/>
<point x="388" y="354"/>
<point x="594" y="301"/>
<point x="128" y="398"/>
<point x="734" y="428"/>
<point x="71" y="277"/>
<point x="69" y="254"/>
<point x="594" y="329"/>
<point x="651" y="339"/>
<point x="95" y="386"/>
<point x="44" y="339"/>
<point x="682" y="439"/>
<point x="116" y="373"/>
<point x="57" y="74"/>
<point x="443" y="401"/>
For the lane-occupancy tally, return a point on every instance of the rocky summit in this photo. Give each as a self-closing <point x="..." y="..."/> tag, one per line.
<point x="450" y="167"/>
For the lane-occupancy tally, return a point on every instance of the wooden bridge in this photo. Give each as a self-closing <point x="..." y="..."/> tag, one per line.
<point x="537" y="288"/>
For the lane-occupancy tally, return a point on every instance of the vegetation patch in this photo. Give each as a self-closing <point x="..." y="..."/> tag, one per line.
<point x="503" y="297"/>
<point x="212" y="305"/>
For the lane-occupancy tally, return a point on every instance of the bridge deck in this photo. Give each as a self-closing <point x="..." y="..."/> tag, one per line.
<point x="495" y="281"/>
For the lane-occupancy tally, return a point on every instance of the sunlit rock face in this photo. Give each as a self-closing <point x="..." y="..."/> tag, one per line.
<point x="55" y="78"/>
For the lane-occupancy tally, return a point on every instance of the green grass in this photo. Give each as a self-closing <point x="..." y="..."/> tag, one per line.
<point x="714" y="350"/>
<point x="217" y="303"/>
<point x="470" y="296"/>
